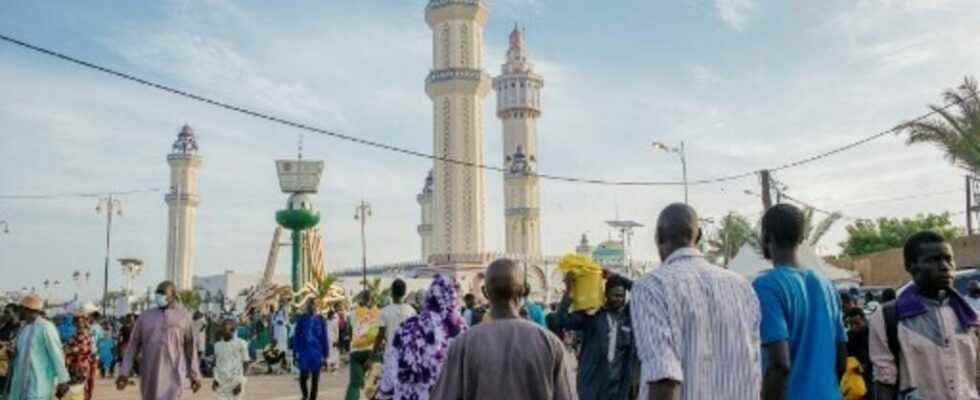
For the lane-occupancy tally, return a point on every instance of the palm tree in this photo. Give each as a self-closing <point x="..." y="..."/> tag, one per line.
<point x="734" y="230"/>
<point x="812" y="233"/>
<point x="957" y="130"/>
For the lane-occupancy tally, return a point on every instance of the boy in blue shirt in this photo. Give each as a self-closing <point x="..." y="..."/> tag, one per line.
<point x="802" y="331"/>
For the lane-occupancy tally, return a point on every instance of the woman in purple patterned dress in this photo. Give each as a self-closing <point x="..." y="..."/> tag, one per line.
<point x="420" y="345"/>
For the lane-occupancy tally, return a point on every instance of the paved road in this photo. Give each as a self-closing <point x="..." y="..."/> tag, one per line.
<point x="281" y="387"/>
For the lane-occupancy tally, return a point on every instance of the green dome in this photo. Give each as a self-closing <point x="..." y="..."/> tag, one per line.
<point x="297" y="220"/>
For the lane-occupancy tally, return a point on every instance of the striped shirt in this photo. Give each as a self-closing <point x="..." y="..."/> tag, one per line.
<point x="697" y="324"/>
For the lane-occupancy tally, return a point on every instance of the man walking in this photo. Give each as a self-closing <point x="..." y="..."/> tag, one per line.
<point x="607" y="360"/>
<point x="392" y="316"/>
<point x="39" y="367"/>
<point x="311" y="346"/>
<point x="802" y="332"/>
<point x="696" y="325"/>
<point x="506" y="357"/>
<point x="163" y="340"/>
<point x="925" y="344"/>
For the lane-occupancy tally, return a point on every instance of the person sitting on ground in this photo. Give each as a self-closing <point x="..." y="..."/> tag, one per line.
<point x="274" y="357"/>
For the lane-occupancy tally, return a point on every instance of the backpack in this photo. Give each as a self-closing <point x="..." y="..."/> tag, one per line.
<point x="890" y="313"/>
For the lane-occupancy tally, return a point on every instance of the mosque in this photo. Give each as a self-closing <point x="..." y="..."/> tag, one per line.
<point x="453" y="197"/>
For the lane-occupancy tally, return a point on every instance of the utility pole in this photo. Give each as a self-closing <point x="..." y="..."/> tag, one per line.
<point x="361" y="213"/>
<point x="766" y="198"/>
<point x="112" y="206"/>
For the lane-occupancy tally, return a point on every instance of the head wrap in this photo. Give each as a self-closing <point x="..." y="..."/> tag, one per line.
<point x="415" y="356"/>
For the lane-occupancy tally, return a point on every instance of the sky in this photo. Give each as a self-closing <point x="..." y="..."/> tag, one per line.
<point x="746" y="84"/>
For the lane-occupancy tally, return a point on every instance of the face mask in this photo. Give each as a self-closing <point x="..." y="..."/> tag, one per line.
<point x="160" y="300"/>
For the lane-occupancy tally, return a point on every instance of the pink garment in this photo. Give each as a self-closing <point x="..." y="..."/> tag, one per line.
<point x="163" y="341"/>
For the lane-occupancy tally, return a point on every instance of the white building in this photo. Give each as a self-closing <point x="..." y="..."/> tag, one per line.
<point x="230" y="284"/>
<point x="519" y="106"/>
<point x="182" y="201"/>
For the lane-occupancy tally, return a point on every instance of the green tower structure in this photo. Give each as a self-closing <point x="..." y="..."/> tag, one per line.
<point x="301" y="179"/>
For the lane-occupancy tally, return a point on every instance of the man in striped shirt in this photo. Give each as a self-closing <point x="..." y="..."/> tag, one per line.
<point x="696" y="325"/>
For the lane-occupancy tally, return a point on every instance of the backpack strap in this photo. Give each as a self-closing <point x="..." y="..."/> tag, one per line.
<point x="890" y="313"/>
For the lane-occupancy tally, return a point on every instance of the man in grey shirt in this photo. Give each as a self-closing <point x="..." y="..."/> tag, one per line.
<point x="506" y="357"/>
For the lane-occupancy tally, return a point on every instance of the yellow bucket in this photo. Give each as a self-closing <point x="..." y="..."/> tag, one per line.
<point x="587" y="293"/>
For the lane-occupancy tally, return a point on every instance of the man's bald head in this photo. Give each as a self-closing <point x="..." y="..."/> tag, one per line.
<point x="677" y="226"/>
<point x="502" y="281"/>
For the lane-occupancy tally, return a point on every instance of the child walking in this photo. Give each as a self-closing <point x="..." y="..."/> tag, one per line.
<point x="230" y="362"/>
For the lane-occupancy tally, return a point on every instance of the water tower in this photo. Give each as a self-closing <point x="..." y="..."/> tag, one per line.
<point x="301" y="179"/>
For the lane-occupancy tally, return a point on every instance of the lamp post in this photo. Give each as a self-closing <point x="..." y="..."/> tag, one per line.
<point x="361" y="213"/>
<point x="679" y="150"/>
<point x="110" y="206"/>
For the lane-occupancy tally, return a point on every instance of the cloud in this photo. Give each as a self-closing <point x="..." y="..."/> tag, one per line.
<point x="736" y="13"/>
<point x="704" y="76"/>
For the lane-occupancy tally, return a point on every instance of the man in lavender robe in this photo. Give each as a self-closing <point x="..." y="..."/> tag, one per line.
<point x="163" y="340"/>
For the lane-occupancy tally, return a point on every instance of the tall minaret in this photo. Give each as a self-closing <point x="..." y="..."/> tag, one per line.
<point x="425" y="228"/>
<point x="457" y="86"/>
<point x="519" y="106"/>
<point x="182" y="203"/>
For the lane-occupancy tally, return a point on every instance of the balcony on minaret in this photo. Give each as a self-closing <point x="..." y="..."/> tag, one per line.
<point x="185" y="143"/>
<point x="520" y="164"/>
<point x="518" y="87"/>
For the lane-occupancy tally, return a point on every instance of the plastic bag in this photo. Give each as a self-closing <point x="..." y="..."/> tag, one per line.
<point x="587" y="293"/>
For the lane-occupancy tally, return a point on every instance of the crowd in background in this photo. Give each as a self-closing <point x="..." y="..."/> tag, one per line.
<point x="687" y="330"/>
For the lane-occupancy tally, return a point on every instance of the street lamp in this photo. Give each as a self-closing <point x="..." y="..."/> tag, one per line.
<point x="679" y="151"/>
<point x="110" y="206"/>
<point x="361" y="213"/>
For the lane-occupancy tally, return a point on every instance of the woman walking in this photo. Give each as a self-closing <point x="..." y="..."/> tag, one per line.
<point x="418" y="350"/>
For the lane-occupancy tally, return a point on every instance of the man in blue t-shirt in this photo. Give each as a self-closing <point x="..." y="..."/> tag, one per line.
<point x="802" y="332"/>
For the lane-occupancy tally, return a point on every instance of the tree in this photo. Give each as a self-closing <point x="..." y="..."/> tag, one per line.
<point x="812" y="232"/>
<point x="190" y="299"/>
<point x="734" y="230"/>
<point x="956" y="131"/>
<point x="867" y="236"/>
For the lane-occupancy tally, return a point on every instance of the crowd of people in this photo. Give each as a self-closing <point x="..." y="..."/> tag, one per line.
<point x="687" y="330"/>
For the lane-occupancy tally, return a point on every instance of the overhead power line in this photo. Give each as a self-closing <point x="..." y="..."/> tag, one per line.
<point x="72" y="195"/>
<point x="419" y="154"/>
